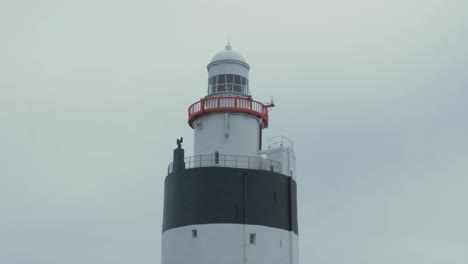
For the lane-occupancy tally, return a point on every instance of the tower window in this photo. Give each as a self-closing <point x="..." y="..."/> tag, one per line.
<point x="237" y="79"/>
<point x="228" y="83"/>
<point x="252" y="238"/>
<point x="216" y="157"/>
<point x="222" y="88"/>
<point x="222" y="78"/>
<point x="194" y="233"/>
<point x="230" y="78"/>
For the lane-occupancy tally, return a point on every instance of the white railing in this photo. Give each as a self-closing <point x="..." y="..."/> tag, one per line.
<point x="230" y="161"/>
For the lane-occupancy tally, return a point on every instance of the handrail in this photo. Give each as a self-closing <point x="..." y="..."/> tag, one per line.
<point x="229" y="161"/>
<point x="234" y="104"/>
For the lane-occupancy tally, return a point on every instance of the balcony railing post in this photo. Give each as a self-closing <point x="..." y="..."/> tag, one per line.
<point x="202" y="105"/>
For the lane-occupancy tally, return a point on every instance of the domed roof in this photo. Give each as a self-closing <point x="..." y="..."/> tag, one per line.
<point x="228" y="55"/>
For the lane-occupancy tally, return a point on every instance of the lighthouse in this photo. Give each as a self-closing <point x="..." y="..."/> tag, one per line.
<point x="233" y="201"/>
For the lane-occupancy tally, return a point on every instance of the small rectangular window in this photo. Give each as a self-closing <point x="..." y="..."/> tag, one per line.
<point x="244" y="81"/>
<point x="222" y="88"/>
<point x="237" y="79"/>
<point x="222" y="78"/>
<point x="244" y="89"/>
<point x="194" y="233"/>
<point x="237" y="88"/>
<point x="230" y="78"/>
<point x="252" y="238"/>
<point x="216" y="157"/>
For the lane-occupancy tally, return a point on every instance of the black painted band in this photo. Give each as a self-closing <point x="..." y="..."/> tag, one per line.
<point x="230" y="195"/>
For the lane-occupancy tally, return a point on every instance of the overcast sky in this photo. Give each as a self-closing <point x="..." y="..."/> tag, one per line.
<point x="373" y="93"/>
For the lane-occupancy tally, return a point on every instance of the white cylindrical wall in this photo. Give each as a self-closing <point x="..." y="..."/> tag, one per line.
<point x="228" y="133"/>
<point x="228" y="244"/>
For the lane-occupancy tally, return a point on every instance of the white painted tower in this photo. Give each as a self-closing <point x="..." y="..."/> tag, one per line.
<point x="231" y="202"/>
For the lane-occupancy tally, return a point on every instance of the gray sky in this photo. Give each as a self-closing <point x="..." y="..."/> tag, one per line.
<point x="373" y="93"/>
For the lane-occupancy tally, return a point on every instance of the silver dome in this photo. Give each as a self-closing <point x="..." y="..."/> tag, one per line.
<point x="230" y="56"/>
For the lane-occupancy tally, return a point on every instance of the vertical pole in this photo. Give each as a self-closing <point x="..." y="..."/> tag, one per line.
<point x="245" y="216"/>
<point x="291" y="225"/>
<point x="260" y="137"/>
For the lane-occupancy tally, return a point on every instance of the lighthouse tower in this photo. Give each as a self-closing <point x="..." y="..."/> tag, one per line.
<point x="231" y="202"/>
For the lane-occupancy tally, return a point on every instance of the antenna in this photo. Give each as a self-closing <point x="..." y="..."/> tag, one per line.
<point x="270" y="105"/>
<point x="228" y="46"/>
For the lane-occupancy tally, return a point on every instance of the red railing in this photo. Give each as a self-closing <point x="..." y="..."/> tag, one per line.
<point x="232" y="104"/>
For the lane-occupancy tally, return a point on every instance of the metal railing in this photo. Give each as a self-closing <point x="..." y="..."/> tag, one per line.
<point x="279" y="142"/>
<point x="229" y="161"/>
<point x="233" y="104"/>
